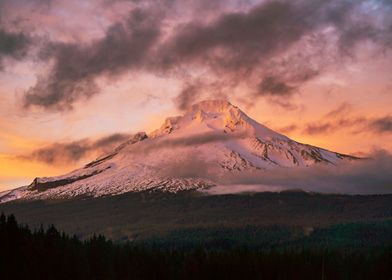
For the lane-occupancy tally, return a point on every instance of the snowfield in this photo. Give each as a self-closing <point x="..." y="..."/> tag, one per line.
<point x="211" y="142"/>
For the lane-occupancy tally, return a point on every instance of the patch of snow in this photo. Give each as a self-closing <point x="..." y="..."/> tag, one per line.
<point x="211" y="141"/>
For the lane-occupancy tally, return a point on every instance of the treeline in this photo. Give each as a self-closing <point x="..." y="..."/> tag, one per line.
<point x="365" y="236"/>
<point x="49" y="254"/>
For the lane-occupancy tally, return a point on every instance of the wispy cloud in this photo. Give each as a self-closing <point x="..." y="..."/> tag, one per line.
<point x="381" y="125"/>
<point x="341" y="118"/>
<point x="325" y="127"/>
<point x="65" y="153"/>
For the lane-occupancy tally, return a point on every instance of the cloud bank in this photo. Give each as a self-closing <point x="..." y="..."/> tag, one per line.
<point x="367" y="176"/>
<point x="270" y="47"/>
<point x="341" y="118"/>
<point x="65" y="153"/>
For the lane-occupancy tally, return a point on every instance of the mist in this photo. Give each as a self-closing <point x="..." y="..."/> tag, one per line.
<point x="364" y="176"/>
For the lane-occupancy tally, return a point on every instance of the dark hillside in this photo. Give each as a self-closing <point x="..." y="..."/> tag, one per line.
<point x="135" y="216"/>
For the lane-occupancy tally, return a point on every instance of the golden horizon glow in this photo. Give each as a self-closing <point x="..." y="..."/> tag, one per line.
<point x="337" y="97"/>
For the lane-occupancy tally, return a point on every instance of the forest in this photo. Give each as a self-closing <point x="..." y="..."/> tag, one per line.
<point x="47" y="253"/>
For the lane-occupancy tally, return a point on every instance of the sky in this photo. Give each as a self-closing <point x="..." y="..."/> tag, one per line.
<point x="77" y="78"/>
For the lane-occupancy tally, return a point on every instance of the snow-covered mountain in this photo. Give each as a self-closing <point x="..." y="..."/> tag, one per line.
<point x="212" y="141"/>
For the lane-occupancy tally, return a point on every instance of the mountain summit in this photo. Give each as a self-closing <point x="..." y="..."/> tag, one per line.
<point x="215" y="116"/>
<point x="213" y="141"/>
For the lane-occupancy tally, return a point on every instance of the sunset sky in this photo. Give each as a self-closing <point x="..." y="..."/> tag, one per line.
<point x="78" y="77"/>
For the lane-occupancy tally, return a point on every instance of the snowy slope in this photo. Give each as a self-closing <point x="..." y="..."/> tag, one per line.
<point x="211" y="141"/>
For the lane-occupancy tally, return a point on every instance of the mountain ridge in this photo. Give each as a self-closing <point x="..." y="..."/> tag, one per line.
<point x="212" y="141"/>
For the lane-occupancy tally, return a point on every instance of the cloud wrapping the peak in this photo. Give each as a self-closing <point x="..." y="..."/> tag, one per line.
<point x="365" y="176"/>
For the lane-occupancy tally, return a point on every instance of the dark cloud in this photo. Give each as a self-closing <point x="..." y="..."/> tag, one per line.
<point x="285" y="76"/>
<point x="381" y="125"/>
<point x="239" y="45"/>
<point x="13" y="45"/>
<point x="335" y="121"/>
<point x="38" y="3"/>
<point x="72" y="152"/>
<point x="110" y="140"/>
<point x="342" y="109"/>
<point x="188" y="95"/>
<point x="273" y="86"/>
<point x="319" y="128"/>
<point x="124" y="46"/>
<point x="60" y="153"/>
<point x="272" y="47"/>
<point x="288" y="129"/>
<point x="238" y="40"/>
<point x="286" y="104"/>
<point x="324" y="127"/>
<point x="195" y="90"/>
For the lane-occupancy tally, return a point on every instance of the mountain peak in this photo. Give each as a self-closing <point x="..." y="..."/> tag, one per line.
<point x="214" y="115"/>
<point x="212" y="106"/>
<point x="213" y="141"/>
<point x="212" y="109"/>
